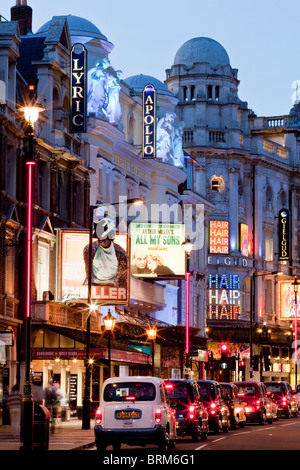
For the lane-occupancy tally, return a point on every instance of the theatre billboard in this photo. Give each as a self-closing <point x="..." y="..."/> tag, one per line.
<point x="157" y="250"/>
<point x="110" y="268"/>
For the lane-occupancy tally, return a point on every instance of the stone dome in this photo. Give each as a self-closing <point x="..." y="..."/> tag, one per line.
<point x="77" y="27"/>
<point x="199" y="50"/>
<point x="138" y="83"/>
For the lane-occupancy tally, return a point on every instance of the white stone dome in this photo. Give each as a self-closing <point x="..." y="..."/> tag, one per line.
<point x="77" y="26"/>
<point x="202" y="50"/>
<point x="138" y="83"/>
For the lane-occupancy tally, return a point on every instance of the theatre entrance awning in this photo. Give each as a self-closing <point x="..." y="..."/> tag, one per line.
<point x="120" y="352"/>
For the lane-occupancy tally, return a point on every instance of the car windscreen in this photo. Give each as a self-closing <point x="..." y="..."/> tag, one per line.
<point x="227" y="392"/>
<point x="274" y="388"/>
<point x="179" y="392"/>
<point x="129" y="391"/>
<point x="247" y="390"/>
<point x="207" y="392"/>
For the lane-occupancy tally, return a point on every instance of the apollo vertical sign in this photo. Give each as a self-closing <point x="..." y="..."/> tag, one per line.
<point x="78" y="89"/>
<point x="149" y="122"/>
<point x="284" y="235"/>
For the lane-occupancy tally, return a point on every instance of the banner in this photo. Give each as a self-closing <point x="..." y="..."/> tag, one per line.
<point x="287" y="301"/>
<point x="110" y="267"/>
<point x="157" y="250"/>
<point x="78" y="89"/>
<point x="149" y="122"/>
<point x="284" y="235"/>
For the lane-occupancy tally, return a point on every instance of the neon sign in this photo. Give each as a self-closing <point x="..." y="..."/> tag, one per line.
<point x="224" y="297"/>
<point x="219" y="237"/>
<point x="78" y="89"/>
<point x="149" y="122"/>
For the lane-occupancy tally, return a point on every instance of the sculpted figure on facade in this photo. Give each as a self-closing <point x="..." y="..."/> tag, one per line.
<point x="169" y="140"/>
<point x="103" y="91"/>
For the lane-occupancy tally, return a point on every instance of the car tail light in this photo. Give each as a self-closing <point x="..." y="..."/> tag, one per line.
<point x="158" y="416"/>
<point x="98" y="417"/>
<point x="191" y="412"/>
<point x="284" y="401"/>
<point x="258" y="403"/>
<point x="213" y="409"/>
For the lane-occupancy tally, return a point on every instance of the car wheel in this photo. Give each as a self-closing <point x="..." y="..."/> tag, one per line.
<point x="241" y="424"/>
<point x="116" y="446"/>
<point x="217" y="426"/>
<point x="196" y="435"/>
<point x="204" y="435"/>
<point x="100" y="447"/>
<point x="171" y="445"/>
<point x="263" y="418"/>
<point x="270" y="421"/>
<point x="233" y="424"/>
<point x="164" y="443"/>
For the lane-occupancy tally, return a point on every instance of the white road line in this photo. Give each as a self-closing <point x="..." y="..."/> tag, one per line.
<point x="220" y="439"/>
<point x="201" y="447"/>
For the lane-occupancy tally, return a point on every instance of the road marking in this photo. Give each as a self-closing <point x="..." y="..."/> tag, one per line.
<point x="290" y="424"/>
<point x="220" y="439"/>
<point x="201" y="447"/>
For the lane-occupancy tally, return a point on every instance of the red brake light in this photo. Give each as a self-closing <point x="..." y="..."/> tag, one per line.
<point x="213" y="408"/>
<point x="284" y="400"/>
<point x="129" y="398"/>
<point x="191" y="412"/>
<point x="168" y="386"/>
<point x="98" y="417"/>
<point x="158" y="416"/>
<point x="241" y="394"/>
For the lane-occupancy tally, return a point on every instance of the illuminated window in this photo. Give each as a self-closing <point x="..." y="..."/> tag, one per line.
<point x="269" y="244"/>
<point x="42" y="278"/>
<point x="217" y="184"/>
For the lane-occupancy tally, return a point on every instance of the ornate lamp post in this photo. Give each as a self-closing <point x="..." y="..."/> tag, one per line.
<point x="152" y="332"/>
<point x="109" y="323"/>
<point x="31" y="114"/>
<point x="188" y="246"/>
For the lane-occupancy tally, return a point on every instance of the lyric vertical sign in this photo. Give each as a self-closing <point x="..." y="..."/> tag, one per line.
<point x="78" y="89"/>
<point x="149" y="122"/>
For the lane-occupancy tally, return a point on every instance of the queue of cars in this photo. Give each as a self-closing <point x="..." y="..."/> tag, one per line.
<point x="141" y="410"/>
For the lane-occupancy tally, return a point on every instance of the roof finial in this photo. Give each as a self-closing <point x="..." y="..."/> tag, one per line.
<point x="18" y="3"/>
<point x="24" y="2"/>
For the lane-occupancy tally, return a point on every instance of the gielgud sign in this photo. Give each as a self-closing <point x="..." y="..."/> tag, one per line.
<point x="110" y="267"/>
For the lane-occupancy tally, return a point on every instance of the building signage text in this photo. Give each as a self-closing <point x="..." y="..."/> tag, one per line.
<point x="219" y="237"/>
<point x="149" y="122"/>
<point x="224" y="297"/>
<point x="284" y="235"/>
<point x="78" y="89"/>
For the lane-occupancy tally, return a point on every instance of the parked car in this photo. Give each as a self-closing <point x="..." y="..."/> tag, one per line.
<point x="257" y="404"/>
<point x="236" y="408"/>
<point x="134" y="411"/>
<point x="218" y="412"/>
<point x="282" y="394"/>
<point x="191" y="416"/>
<point x="297" y="394"/>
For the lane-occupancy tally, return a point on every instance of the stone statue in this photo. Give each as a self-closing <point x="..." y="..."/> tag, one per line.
<point x="169" y="140"/>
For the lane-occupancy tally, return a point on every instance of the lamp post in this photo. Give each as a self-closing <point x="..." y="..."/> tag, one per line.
<point x="188" y="246"/>
<point x="31" y="114"/>
<point x="295" y="285"/>
<point x="109" y="323"/>
<point x="152" y="332"/>
<point x="86" y="408"/>
<point x="252" y="309"/>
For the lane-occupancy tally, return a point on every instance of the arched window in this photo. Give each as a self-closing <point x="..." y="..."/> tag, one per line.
<point x="217" y="184"/>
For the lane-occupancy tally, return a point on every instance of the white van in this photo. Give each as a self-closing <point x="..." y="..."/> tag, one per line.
<point x="134" y="411"/>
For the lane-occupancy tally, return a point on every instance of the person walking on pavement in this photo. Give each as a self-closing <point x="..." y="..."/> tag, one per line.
<point x="51" y="400"/>
<point x="14" y="403"/>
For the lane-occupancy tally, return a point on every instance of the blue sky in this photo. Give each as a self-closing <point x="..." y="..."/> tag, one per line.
<point x="261" y="38"/>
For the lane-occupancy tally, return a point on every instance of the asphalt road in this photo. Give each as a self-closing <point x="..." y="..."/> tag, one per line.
<point x="281" y="435"/>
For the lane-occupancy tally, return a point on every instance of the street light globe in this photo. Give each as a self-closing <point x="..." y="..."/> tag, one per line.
<point x="152" y="333"/>
<point x="109" y="321"/>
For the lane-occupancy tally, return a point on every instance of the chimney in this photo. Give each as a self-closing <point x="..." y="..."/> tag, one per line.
<point x="23" y="14"/>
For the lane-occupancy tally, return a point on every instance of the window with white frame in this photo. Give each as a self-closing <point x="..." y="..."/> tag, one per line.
<point x="42" y="279"/>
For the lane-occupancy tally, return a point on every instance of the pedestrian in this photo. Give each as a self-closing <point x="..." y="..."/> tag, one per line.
<point x="50" y="396"/>
<point x="14" y="403"/>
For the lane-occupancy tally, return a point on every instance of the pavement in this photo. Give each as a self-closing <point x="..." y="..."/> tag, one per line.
<point x="64" y="435"/>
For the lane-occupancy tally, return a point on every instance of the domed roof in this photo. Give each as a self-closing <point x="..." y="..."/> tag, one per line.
<point x="202" y="49"/>
<point x="138" y="83"/>
<point x="77" y="27"/>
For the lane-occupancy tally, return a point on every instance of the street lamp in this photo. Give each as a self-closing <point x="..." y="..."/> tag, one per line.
<point x="109" y="323"/>
<point x="295" y="285"/>
<point x="86" y="408"/>
<point x="31" y="114"/>
<point x="188" y="246"/>
<point x="252" y="309"/>
<point x="152" y="332"/>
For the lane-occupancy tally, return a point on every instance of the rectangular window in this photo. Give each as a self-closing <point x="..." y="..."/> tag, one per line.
<point x="42" y="282"/>
<point x="269" y="245"/>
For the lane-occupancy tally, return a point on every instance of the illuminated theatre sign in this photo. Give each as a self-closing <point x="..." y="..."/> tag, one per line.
<point x="224" y="297"/>
<point x="149" y="122"/>
<point x="78" y="89"/>
<point x="284" y="235"/>
<point x="219" y="237"/>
